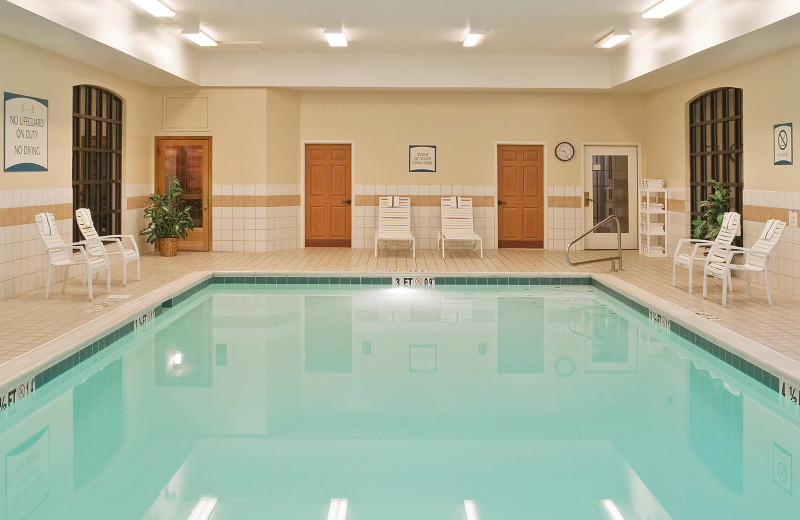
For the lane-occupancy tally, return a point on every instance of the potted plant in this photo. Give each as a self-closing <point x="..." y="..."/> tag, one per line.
<point x="714" y="208"/>
<point x="169" y="218"/>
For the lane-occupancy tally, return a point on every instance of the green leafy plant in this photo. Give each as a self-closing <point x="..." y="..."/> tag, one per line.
<point x="168" y="213"/>
<point x="713" y="212"/>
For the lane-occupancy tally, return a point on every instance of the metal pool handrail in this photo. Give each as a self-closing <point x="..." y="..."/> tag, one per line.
<point x="613" y="259"/>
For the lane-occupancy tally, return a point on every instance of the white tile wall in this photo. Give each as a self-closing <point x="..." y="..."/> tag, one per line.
<point x="563" y="224"/>
<point x="133" y="220"/>
<point x="678" y="222"/>
<point x="256" y="230"/>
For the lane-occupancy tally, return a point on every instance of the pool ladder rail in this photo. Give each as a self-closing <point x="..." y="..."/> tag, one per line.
<point x="616" y="261"/>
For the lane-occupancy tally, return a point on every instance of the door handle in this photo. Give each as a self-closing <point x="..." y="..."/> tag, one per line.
<point x="500" y="202"/>
<point x="586" y="199"/>
<point x="348" y="201"/>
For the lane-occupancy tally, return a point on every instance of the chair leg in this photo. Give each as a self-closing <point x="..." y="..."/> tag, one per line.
<point x="108" y="278"/>
<point x="138" y="269"/>
<point x="747" y="277"/>
<point x="481" y="241"/>
<point x="443" y="249"/>
<point x="766" y="282"/>
<point x="66" y="275"/>
<point x="376" y="248"/>
<point x="124" y="272"/>
<point x="47" y="287"/>
<point x="725" y="277"/>
<point x="413" y="248"/>
<point x="705" y="284"/>
<point x="674" y="269"/>
<point x="91" y="295"/>
<point x="691" y="271"/>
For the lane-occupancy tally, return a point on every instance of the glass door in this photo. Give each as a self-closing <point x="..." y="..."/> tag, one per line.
<point x="188" y="159"/>
<point x="611" y="175"/>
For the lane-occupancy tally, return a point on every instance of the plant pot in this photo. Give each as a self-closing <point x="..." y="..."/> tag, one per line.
<point x="168" y="246"/>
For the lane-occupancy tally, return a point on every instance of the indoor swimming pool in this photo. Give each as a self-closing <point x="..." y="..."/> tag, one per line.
<point x="364" y="401"/>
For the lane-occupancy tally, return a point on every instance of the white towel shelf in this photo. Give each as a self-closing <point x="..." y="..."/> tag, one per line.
<point x="653" y="217"/>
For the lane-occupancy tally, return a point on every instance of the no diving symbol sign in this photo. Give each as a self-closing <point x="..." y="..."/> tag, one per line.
<point x="783" y="143"/>
<point x="783" y="139"/>
<point x="782" y="468"/>
<point x="21" y="391"/>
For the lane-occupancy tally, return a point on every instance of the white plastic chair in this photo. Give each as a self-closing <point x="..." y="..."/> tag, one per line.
<point x="61" y="254"/>
<point x="458" y="223"/>
<point x="96" y="248"/>
<point x="718" y="262"/>
<point x="394" y="222"/>
<point x="731" y="223"/>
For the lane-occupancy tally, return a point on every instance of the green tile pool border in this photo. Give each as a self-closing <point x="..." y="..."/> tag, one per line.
<point x="259" y="281"/>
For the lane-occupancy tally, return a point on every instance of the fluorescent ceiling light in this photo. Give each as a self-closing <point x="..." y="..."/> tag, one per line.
<point x="610" y="510"/>
<point x="471" y="510"/>
<point x="155" y="8"/>
<point x="335" y="37"/>
<point x="665" y="8"/>
<point x="612" y="39"/>
<point x="475" y="37"/>
<point x="199" y="37"/>
<point x="338" y="509"/>
<point x="202" y="511"/>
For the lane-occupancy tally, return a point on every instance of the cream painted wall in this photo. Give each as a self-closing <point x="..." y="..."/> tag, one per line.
<point x="32" y="71"/>
<point x="283" y="136"/>
<point x="770" y="87"/>
<point x="465" y="127"/>
<point x="237" y="122"/>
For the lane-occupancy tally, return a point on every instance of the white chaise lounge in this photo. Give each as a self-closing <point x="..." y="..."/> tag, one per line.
<point x="458" y="223"/>
<point x="96" y="244"/>
<point x="394" y="222"/>
<point x="731" y="223"/>
<point x="61" y="254"/>
<point x="718" y="262"/>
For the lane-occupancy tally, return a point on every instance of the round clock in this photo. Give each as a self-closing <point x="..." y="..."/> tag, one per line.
<point x="565" y="366"/>
<point x="565" y="151"/>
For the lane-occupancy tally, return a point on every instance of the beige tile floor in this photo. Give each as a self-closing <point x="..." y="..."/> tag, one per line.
<point x="28" y="320"/>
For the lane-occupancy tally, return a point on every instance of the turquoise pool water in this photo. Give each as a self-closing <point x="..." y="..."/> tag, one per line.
<point x="462" y="403"/>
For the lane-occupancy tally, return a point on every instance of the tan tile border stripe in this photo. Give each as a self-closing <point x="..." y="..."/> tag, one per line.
<point x="676" y="205"/>
<point x="559" y="201"/>
<point x="254" y="201"/>
<point x="137" y="202"/>
<point x="763" y="213"/>
<point x="25" y="215"/>
<point x="478" y="201"/>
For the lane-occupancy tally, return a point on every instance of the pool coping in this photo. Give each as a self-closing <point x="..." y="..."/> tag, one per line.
<point x="40" y="365"/>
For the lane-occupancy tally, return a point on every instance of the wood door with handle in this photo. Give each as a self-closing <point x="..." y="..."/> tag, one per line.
<point x="520" y="195"/>
<point x="328" y="195"/>
<point x="189" y="159"/>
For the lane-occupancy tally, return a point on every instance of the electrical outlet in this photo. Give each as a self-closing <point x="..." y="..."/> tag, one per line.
<point x="793" y="217"/>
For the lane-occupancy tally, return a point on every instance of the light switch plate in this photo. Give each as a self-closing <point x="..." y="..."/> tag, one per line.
<point x="793" y="217"/>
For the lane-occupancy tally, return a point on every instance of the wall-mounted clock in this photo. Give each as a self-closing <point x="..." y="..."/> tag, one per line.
<point x="565" y="151"/>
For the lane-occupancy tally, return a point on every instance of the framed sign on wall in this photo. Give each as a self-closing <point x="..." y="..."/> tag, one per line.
<point x="783" y="143"/>
<point x="25" y="137"/>
<point x="421" y="158"/>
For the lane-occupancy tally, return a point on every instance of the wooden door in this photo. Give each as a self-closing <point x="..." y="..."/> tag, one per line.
<point x="189" y="159"/>
<point x="520" y="195"/>
<point x="328" y="197"/>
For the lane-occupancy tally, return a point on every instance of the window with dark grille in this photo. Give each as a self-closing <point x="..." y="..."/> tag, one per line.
<point x="715" y="146"/>
<point x="97" y="157"/>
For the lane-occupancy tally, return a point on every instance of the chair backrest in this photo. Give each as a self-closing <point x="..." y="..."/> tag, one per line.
<point x="48" y="232"/>
<point x="731" y="222"/>
<point x="772" y="233"/>
<point x="394" y="214"/>
<point x="83" y="217"/>
<point x="457" y="215"/>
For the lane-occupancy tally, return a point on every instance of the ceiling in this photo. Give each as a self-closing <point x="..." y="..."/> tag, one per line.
<point x="415" y="44"/>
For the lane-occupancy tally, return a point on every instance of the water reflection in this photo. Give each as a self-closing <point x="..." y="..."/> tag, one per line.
<point x="543" y="404"/>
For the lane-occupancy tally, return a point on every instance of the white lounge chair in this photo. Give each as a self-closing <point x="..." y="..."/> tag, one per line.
<point x="61" y="254"/>
<point x="731" y="223"/>
<point x="458" y="223"/>
<point x="718" y="262"/>
<point x="96" y="244"/>
<point x="394" y="222"/>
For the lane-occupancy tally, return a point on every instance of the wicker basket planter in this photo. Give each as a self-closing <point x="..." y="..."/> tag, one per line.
<point x="168" y="246"/>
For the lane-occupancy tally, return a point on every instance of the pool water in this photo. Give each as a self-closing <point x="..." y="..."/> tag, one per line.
<point x="525" y="402"/>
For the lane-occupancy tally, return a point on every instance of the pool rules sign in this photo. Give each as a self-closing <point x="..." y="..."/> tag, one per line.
<point x="25" y="136"/>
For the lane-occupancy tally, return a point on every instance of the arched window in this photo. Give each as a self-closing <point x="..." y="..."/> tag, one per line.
<point x="715" y="145"/>
<point x="97" y="157"/>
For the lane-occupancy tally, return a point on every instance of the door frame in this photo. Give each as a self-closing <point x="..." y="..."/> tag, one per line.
<point x="543" y="144"/>
<point x="302" y="221"/>
<point x="210" y="188"/>
<point x="639" y="168"/>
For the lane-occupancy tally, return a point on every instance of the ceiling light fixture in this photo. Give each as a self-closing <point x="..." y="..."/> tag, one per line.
<point x="471" y="510"/>
<point x="612" y="39"/>
<point x="475" y="37"/>
<point x="155" y="8"/>
<point x="202" y="511"/>
<point x="199" y="37"/>
<point x="338" y="509"/>
<point x="665" y="8"/>
<point x="335" y="37"/>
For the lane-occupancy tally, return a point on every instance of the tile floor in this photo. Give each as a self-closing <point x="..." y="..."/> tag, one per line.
<point x="28" y="320"/>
